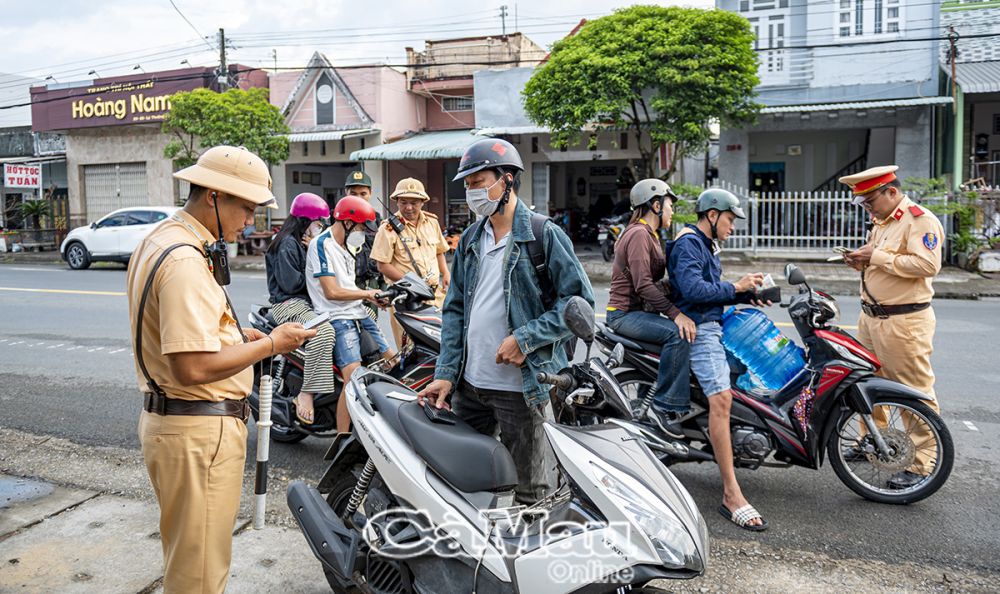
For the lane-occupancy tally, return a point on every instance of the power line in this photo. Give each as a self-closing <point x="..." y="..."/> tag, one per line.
<point x="193" y="28"/>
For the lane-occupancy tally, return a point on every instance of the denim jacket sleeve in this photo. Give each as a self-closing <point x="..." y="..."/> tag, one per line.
<point x="568" y="279"/>
<point x="687" y="260"/>
<point x="449" y="361"/>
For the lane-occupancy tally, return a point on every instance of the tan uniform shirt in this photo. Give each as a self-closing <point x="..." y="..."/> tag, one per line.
<point x="186" y="310"/>
<point x="424" y="239"/>
<point x="906" y="256"/>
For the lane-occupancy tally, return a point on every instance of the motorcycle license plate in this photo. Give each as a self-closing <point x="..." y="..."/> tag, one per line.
<point x="602" y="236"/>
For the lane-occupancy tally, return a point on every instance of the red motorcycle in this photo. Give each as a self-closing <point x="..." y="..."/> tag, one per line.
<point x="874" y="431"/>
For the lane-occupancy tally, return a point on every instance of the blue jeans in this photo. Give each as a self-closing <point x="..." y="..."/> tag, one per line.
<point x="347" y="349"/>
<point x="673" y="381"/>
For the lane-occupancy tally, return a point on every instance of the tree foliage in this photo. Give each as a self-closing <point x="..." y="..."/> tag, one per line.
<point x="202" y="118"/>
<point x="34" y="210"/>
<point x="666" y="71"/>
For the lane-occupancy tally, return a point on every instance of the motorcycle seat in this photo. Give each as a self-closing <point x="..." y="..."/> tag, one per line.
<point x="631" y="343"/>
<point x="463" y="457"/>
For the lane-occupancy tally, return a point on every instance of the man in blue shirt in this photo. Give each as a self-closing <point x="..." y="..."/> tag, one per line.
<point x="699" y="291"/>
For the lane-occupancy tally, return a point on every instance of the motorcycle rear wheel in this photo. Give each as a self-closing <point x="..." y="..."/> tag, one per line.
<point x="635" y="384"/>
<point x="608" y="250"/>
<point x="869" y="478"/>
<point x="338" y="498"/>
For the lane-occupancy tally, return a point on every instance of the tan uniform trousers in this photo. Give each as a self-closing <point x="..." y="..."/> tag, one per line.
<point x="904" y="344"/>
<point x="397" y="330"/>
<point x="196" y="466"/>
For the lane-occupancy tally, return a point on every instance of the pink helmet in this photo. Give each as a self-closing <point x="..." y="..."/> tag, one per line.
<point x="309" y="206"/>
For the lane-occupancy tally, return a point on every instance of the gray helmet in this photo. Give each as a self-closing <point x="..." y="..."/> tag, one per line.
<point x="720" y="200"/>
<point x="647" y="189"/>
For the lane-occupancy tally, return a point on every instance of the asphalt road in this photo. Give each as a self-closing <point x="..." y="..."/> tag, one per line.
<point x="66" y="369"/>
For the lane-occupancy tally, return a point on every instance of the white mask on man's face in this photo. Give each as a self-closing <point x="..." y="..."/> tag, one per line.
<point x="355" y="241"/>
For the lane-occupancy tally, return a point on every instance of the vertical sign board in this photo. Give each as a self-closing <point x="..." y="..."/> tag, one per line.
<point x="16" y="175"/>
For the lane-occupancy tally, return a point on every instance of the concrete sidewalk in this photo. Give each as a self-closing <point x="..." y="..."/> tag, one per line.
<point x="63" y="539"/>
<point x="86" y="522"/>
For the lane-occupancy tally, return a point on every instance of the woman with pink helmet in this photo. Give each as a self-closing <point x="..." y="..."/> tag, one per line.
<point x="285" y="262"/>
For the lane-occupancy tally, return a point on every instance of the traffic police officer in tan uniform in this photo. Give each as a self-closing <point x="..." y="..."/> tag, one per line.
<point x="420" y="248"/>
<point x="194" y="366"/>
<point x="897" y="264"/>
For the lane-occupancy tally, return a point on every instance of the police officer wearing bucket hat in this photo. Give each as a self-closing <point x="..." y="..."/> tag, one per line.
<point x="193" y="365"/>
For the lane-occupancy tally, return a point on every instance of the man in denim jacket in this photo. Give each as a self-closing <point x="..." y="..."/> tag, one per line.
<point x="496" y="334"/>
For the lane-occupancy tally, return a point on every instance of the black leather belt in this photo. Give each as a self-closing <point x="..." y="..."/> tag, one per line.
<point x="884" y="311"/>
<point x="163" y="405"/>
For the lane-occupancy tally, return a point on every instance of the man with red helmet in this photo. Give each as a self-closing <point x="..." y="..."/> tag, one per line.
<point x="333" y="289"/>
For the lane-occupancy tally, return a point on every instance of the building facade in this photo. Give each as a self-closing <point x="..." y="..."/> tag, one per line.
<point x="842" y="90"/>
<point x="114" y="142"/>
<point x="976" y="119"/>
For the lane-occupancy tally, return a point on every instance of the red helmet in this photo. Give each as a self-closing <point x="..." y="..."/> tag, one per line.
<point x="352" y="208"/>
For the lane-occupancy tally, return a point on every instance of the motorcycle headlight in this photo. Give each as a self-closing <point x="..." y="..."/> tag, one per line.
<point x="665" y="531"/>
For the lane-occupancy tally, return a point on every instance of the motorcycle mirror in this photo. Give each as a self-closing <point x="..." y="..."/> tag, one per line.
<point x="578" y="316"/>
<point x="794" y="275"/>
<point x="617" y="356"/>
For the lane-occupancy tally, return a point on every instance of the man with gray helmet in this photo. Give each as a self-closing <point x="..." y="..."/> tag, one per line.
<point x="639" y="306"/>
<point x="496" y="332"/>
<point x="699" y="291"/>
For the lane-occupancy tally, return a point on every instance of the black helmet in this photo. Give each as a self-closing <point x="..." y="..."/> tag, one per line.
<point x="488" y="153"/>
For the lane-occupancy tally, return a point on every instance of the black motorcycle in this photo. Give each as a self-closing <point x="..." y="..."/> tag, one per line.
<point x="413" y="365"/>
<point x="836" y="406"/>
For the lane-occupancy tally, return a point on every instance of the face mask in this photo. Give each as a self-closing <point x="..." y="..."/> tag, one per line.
<point x="355" y="241"/>
<point x="314" y="229"/>
<point x="479" y="201"/>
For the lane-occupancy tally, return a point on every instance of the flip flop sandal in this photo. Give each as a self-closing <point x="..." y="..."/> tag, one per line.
<point x="299" y="417"/>
<point x="743" y="516"/>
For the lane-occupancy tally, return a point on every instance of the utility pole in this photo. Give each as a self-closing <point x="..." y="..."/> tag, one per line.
<point x="952" y="58"/>
<point x="223" y="69"/>
<point x="503" y="19"/>
<point x="274" y="54"/>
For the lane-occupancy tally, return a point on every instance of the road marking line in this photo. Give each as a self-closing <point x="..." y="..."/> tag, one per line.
<point x="115" y="351"/>
<point x="65" y="291"/>
<point x="18" y="342"/>
<point x="37" y="269"/>
<point x="73" y="348"/>
<point x="95" y="349"/>
<point x="971" y="426"/>
<point x="36" y="344"/>
<point x="55" y="346"/>
<point x="4" y="340"/>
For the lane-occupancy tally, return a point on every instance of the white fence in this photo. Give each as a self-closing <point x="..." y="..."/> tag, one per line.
<point x="799" y="222"/>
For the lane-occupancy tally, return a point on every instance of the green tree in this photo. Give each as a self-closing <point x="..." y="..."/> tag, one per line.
<point x="33" y="211"/>
<point x="664" y="74"/>
<point x="202" y="118"/>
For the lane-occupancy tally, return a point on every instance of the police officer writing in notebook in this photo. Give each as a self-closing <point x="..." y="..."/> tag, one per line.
<point x="898" y="264"/>
<point x="194" y="365"/>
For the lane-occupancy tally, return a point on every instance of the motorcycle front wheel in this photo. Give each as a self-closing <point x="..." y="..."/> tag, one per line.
<point x="918" y="441"/>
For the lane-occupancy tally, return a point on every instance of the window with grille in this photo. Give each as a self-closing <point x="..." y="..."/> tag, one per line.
<point x="458" y="104"/>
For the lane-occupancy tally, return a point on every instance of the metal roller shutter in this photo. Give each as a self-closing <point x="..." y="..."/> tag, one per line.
<point x="112" y="186"/>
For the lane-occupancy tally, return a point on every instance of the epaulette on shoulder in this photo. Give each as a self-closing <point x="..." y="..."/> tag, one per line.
<point x="916" y="211"/>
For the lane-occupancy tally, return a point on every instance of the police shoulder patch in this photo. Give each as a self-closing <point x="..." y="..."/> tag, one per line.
<point x="930" y="240"/>
<point x="916" y="211"/>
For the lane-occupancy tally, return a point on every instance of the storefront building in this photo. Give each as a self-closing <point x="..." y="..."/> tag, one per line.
<point x="114" y="143"/>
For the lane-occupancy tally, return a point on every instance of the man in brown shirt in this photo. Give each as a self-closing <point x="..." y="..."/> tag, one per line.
<point x="898" y="264"/>
<point x="193" y="426"/>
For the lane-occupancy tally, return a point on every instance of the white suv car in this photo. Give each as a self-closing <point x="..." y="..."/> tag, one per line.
<point x="114" y="237"/>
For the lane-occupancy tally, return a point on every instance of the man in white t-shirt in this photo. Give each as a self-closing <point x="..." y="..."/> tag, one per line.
<point x="330" y="280"/>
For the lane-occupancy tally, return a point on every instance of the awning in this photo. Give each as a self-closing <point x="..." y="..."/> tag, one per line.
<point x="33" y="160"/>
<point x="978" y="77"/>
<point x="448" y="144"/>
<point x="914" y="102"/>
<point x="329" y="135"/>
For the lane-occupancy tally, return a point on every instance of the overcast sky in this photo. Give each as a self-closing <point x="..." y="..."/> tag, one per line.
<point x="68" y="39"/>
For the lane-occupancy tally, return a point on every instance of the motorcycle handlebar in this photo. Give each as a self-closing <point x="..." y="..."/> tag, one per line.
<point x="563" y="381"/>
<point x="390" y="294"/>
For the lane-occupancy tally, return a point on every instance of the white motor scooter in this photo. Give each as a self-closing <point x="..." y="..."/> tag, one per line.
<point x="418" y="501"/>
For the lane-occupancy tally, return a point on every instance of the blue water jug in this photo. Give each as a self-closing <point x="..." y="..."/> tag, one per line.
<point x="769" y="355"/>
